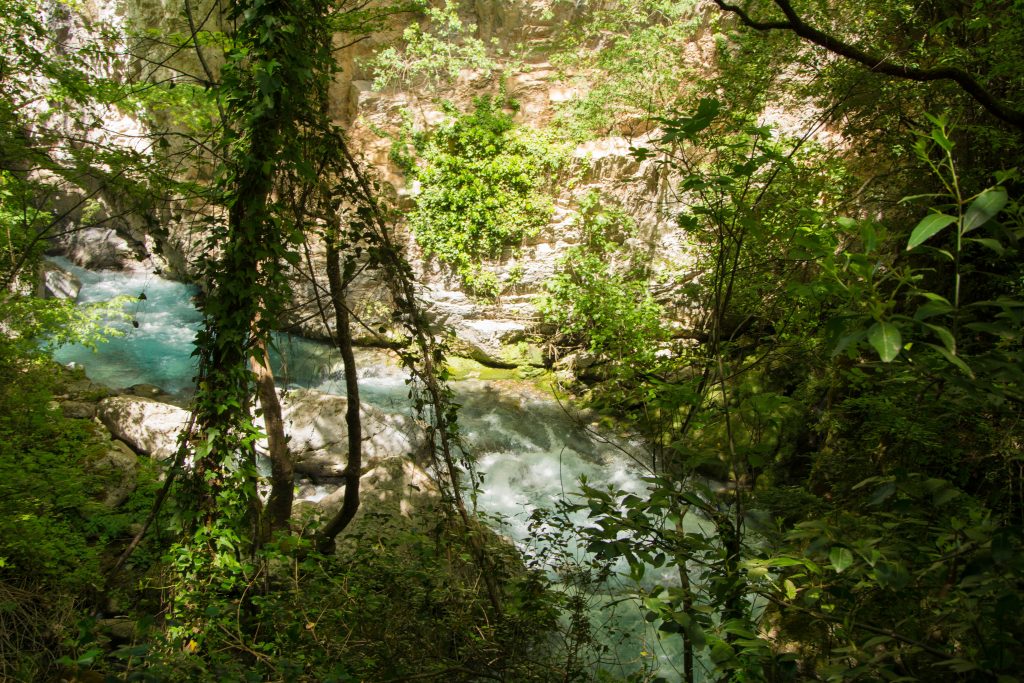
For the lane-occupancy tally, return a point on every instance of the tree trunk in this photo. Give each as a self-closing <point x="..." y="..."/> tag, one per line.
<point x="282" y="474"/>
<point x="343" y="339"/>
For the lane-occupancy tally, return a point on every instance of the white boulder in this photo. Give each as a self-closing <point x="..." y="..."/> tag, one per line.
<point x="149" y="427"/>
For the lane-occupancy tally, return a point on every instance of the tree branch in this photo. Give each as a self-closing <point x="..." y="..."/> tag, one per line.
<point x="882" y="65"/>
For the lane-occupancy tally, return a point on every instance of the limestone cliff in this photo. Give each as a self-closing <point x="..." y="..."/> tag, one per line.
<point x="518" y="35"/>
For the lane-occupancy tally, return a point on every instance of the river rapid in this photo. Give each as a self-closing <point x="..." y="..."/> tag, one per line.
<point x="530" y="449"/>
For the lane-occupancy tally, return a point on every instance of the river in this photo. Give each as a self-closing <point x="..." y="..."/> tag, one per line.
<point x="531" y="451"/>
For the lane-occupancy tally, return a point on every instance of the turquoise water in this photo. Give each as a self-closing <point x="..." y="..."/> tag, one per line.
<point x="156" y="345"/>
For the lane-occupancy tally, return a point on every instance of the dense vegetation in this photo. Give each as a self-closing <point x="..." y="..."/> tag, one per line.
<point x="830" y="387"/>
<point x="481" y="194"/>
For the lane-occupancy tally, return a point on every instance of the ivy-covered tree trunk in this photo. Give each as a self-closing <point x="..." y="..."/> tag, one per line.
<point x="232" y="312"/>
<point x="267" y="90"/>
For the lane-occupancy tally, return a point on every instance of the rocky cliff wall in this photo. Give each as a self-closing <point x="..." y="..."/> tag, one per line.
<point x="501" y="332"/>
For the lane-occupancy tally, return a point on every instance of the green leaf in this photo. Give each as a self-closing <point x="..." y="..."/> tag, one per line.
<point x="997" y="328"/>
<point x="883" y="493"/>
<point x="847" y="340"/>
<point x="929" y="226"/>
<point x="886" y="339"/>
<point x="891" y="575"/>
<point x="959" y="665"/>
<point x="129" y="652"/>
<point x="944" y="496"/>
<point x="993" y="244"/>
<point x="984" y="208"/>
<point x="944" y="335"/>
<point x="739" y="628"/>
<point x="875" y="642"/>
<point x="870" y="237"/>
<point x="696" y="635"/>
<point x="722" y="652"/>
<point x="841" y="558"/>
<point x="790" y="589"/>
<point x="939" y="135"/>
<point x="932" y="308"/>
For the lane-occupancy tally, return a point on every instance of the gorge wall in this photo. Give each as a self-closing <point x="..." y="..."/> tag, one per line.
<point x="519" y="38"/>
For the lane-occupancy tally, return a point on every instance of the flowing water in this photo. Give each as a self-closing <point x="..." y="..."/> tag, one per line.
<point x="156" y="345"/>
<point x="531" y="452"/>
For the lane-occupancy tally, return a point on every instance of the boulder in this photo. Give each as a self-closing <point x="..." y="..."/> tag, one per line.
<point x="57" y="283"/>
<point x="80" y="388"/>
<point x="145" y="390"/>
<point x="149" y="427"/>
<point x="318" y="434"/>
<point x="99" y="249"/>
<point x="120" y="630"/>
<point x="120" y="466"/>
<point x="394" y="489"/>
<point x="314" y="424"/>
<point x="82" y="410"/>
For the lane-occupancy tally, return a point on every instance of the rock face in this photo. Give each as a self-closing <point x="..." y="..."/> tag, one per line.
<point x="503" y="333"/>
<point x="149" y="427"/>
<point x="506" y="332"/>
<point x="103" y="226"/>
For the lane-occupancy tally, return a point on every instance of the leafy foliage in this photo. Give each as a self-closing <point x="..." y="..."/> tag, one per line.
<point x="55" y="528"/>
<point x="842" y="569"/>
<point x="636" y="48"/>
<point x="433" y="51"/>
<point x="481" y="190"/>
<point x="598" y="296"/>
<point x="835" y="428"/>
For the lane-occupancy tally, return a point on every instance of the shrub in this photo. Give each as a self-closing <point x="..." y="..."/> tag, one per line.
<point x="481" y="190"/>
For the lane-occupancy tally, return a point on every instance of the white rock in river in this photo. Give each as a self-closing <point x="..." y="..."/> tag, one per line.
<point x="315" y="423"/>
<point x="57" y="283"/>
<point x="149" y="427"/>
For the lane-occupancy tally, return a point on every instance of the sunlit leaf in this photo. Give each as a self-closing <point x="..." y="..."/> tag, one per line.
<point x="886" y="339"/>
<point x="984" y="208"/>
<point x="840" y="558"/>
<point x="930" y="225"/>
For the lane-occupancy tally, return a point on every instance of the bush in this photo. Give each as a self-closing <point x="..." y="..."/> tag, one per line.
<point x="411" y="606"/>
<point x="481" y="190"/>
<point x="597" y="298"/>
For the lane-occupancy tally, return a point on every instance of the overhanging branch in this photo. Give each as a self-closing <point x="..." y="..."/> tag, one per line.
<point x="882" y="65"/>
